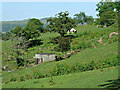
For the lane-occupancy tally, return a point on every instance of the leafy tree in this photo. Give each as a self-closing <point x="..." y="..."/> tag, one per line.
<point x="18" y="52"/>
<point x="80" y="18"/>
<point x="6" y="36"/>
<point x="38" y="24"/>
<point x="107" y="5"/>
<point x="61" y="23"/>
<point x="32" y="29"/>
<point x="117" y="5"/>
<point x="108" y="12"/>
<point x="83" y="18"/>
<point x="17" y="31"/>
<point x="107" y="18"/>
<point x="104" y="7"/>
<point x="63" y="44"/>
<point x="89" y="19"/>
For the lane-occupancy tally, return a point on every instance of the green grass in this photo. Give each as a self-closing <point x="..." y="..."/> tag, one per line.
<point x="6" y="45"/>
<point x="89" y="79"/>
<point x="46" y="36"/>
<point x="82" y="57"/>
<point x="92" y="28"/>
<point x="47" y="47"/>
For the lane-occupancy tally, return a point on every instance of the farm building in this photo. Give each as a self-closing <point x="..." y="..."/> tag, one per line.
<point x="71" y="31"/>
<point x="44" y="57"/>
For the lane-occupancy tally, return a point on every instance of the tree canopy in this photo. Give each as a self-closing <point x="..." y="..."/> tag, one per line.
<point x="107" y="6"/>
<point x="83" y="18"/>
<point x="17" y="31"/>
<point x="61" y="23"/>
<point x="107" y="18"/>
<point x="31" y="30"/>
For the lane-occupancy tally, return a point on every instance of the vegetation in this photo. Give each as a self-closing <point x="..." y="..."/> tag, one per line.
<point x="91" y="51"/>
<point x="99" y="79"/>
<point x="108" y="12"/>
<point x="83" y="18"/>
<point x="61" y="23"/>
<point x="99" y="56"/>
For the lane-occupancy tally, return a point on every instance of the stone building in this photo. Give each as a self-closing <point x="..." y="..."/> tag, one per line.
<point x="44" y="57"/>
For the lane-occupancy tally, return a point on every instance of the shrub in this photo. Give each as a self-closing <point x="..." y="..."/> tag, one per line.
<point x="61" y="69"/>
<point x="59" y="56"/>
<point x="100" y="26"/>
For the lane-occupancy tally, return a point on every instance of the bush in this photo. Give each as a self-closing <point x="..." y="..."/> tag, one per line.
<point x="59" y="56"/>
<point x="100" y="26"/>
<point x="61" y="69"/>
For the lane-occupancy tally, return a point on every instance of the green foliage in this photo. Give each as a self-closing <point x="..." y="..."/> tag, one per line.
<point x="107" y="18"/>
<point x="22" y="78"/>
<point x="63" y="44"/>
<point x="80" y="18"/>
<point x="83" y="35"/>
<point x="104" y="7"/>
<point x="17" y="31"/>
<point x="61" y="23"/>
<point x="30" y="31"/>
<point x="79" y="80"/>
<point x="6" y="36"/>
<point x="83" y="18"/>
<point x="61" y="69"/>
<point x="89" y="19"/>
<point x="51" y="81"/>
<point x="108" y="13"/>
<point x="37" y="75"/>
<point x="59" y="56"/>
<point x="38" y="24"/>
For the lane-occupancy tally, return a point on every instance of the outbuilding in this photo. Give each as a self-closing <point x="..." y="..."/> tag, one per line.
<point x="44" y="57"/>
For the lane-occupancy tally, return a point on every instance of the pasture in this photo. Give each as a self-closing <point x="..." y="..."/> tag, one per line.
<point x="80" y="41"/>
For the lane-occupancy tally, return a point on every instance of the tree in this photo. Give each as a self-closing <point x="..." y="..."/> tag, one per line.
<point x="61" y="23"/>
<point x="63" y="44"/>
<point x="80" y="17"/>
<point x="107" y="5"/>
<point x="38" y="23"/>
<point x="6" y="36"/>
<point x="32" y="29"/>
<point x="89" y="19"/>
<point x="107" y="18"/>
<point x="83" y="18"/>
<point x="108" y="12"/>
<point x="17" y="31"/>
<point x="104" y="7"/>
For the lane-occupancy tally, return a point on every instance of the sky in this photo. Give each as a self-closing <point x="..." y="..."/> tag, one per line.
<point x="24" y="10"/>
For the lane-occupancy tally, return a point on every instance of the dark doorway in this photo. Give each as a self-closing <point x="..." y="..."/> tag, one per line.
<point x="42" y="60"/>
<point x="37" y="61"/>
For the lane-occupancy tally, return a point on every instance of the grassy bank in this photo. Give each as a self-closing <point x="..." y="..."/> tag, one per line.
<point x="90" y="79"/>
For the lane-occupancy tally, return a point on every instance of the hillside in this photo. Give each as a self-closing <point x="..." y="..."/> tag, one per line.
<point x="80" y="58"/>
<point x="8" y="25"/>
<point x="90" y="79"/>
<point x="89" y="58"/>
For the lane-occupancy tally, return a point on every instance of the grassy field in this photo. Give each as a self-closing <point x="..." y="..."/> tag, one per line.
<point x="82" y="58"/>
<point x="90" y="79"/>
<point x="87" y="33"/>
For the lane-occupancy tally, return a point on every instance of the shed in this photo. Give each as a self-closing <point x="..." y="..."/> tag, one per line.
<point x="44" y="57"/>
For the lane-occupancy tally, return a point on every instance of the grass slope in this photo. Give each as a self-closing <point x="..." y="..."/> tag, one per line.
<point x="83" y="57"/>
<point x="89" y="79"/>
